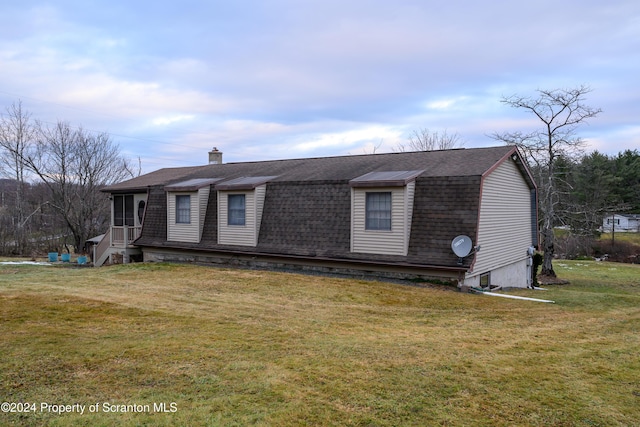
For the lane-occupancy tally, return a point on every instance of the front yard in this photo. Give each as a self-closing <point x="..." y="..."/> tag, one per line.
<point x="159" y="344"/>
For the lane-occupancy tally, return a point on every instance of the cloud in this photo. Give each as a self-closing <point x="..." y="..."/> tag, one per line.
<point x="441" y="104"/>
<point x="278" y="78"/>
<point x="345" y="140"/>
<point x="616" y="140"/>
<point x="169" y="120"/>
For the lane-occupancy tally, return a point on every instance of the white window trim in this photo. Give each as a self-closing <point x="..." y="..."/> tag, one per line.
<point x="367" y="218"/>
<point x="244" y="210"/>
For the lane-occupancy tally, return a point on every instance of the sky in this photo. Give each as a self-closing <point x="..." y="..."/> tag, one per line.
<point x="277" y="79"/>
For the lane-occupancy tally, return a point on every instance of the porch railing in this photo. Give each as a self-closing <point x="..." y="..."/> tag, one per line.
<point x="123" y="236"/>
<point x="100" y="251"/>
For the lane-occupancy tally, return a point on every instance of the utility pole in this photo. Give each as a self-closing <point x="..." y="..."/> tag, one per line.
<point x="613" y="229"/>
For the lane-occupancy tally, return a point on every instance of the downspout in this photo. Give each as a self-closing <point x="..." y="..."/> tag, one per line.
<point x="492" y="294"/>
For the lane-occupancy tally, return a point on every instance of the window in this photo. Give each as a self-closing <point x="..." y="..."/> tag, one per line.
<point x="378" y="211"/>
<point x="236" y="209"/>
<point x="485" y="280"/>
<point x="123" y="210"/>
<point x="183" y="209"/>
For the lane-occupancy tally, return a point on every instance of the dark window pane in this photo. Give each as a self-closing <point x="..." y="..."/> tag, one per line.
<point x="128" y="211"/>
<point x="118" y="211"/>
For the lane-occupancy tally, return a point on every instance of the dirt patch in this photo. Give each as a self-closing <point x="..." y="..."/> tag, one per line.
<point x="551" y="280"/>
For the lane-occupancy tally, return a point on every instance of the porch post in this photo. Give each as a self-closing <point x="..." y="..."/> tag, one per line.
<point x="125" y="253"/>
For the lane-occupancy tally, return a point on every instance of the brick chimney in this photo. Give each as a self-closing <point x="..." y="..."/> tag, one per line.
<point x="215" y="156"/>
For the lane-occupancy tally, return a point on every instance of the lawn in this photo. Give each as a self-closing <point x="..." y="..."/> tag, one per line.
<point x="172" y="345"/>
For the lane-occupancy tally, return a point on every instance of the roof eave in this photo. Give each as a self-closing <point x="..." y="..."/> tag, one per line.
<point x="124" y="190"/>
<point x="517" y="158"/>
<point x="370" y="184"/>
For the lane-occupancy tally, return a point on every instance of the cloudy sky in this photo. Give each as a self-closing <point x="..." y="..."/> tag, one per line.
<point x="274" y="79"/>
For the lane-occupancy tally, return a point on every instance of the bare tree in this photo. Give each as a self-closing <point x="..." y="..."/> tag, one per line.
<point x="374" y="149"/>
<point x="134" y="173"/>
<point x="74" y="165"/>
<point x="561" y="112"/>
<point x="425" y="140"/>
<point x="17" y="136"/>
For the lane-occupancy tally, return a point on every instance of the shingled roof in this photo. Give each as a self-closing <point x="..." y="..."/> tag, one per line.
<point x="458" y="162"/>
<point x="308" y="205"/>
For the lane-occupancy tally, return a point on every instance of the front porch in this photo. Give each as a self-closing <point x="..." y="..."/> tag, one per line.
<point x="124" y="236"/>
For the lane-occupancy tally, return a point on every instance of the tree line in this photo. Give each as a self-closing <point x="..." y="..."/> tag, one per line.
<point x="51" y="177"/>
<point x="596" y="186"/>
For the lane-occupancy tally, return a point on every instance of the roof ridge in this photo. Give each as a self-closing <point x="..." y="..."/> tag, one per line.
<point x="360" y="155"/>
<point x="455" y="162"/>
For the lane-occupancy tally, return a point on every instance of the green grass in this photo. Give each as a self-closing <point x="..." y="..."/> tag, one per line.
<point x="238" y="347"/>
<point x="633" y="238"/>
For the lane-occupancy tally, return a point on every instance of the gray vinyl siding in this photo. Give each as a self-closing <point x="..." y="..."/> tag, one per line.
<point x="393" y="242"/>
<point x="504" y="226"/>
<point x="242" y="235"/>
<point x="191" y="232"/>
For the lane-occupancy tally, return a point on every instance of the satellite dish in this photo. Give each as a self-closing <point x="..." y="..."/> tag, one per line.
<point x="461" y="246"/>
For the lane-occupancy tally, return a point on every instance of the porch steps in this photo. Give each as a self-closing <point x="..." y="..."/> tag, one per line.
<point x="102" y="250"/>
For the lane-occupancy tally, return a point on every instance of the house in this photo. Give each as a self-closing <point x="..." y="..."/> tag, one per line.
<point x="621" y="223"/>
<point x="387" y="215"/>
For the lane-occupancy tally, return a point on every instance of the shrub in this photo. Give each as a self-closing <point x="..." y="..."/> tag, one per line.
<point x="571" y="246"/>
<point x="617" y="252"/>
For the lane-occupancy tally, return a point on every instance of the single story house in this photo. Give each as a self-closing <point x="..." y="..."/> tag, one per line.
<point x="387" y="215"/>
<point x="621" y="223"/>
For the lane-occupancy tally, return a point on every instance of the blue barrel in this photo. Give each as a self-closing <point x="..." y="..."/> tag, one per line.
<point x="66" y="257"/>
<point x="53" y="256"/>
